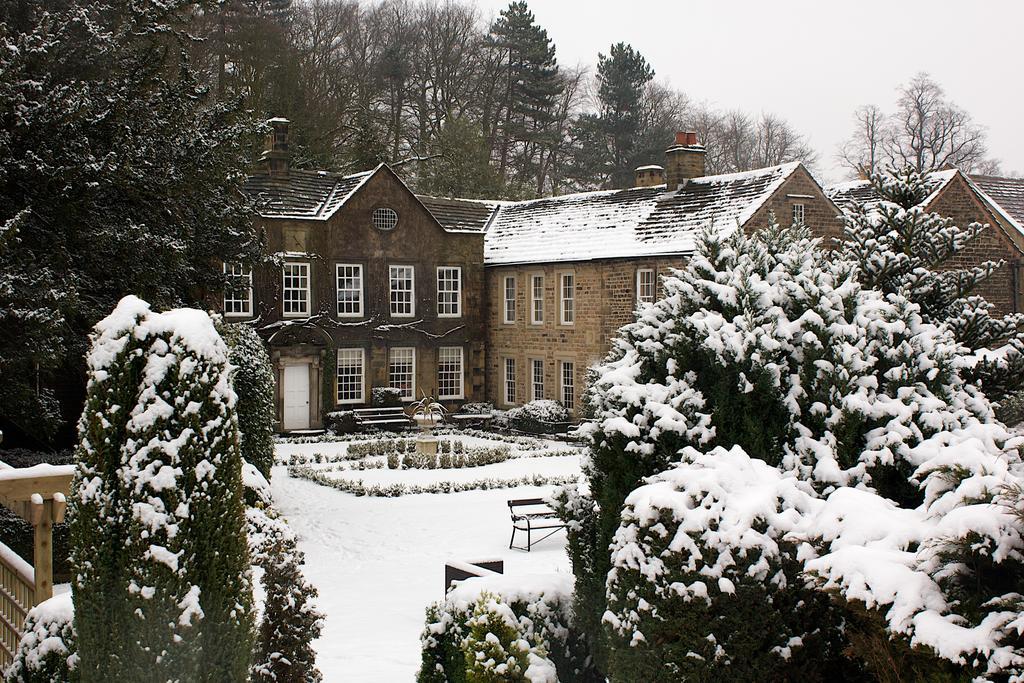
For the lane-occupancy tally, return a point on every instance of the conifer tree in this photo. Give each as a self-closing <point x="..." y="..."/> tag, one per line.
<point x="899" y="248"/>
<point x="158" y="540"/>
<point x="622" y="75"/>
<point x="252" y="378"/>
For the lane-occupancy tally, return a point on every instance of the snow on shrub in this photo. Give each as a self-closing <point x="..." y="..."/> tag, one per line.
<point x="288" y="620"/>
<point x="504" y="628"/>
<point x="704" y="583"/>
<point x="162" y="586"/>
<point x="542" y="416"/>
<point x="48" y="651"/>
<point x="252" y="378"/>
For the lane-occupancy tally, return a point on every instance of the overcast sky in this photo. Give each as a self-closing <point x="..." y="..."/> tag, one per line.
<point x="813" y="61"/>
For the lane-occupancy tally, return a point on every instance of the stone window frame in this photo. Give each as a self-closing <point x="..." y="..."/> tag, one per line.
<point x="361" y="398"/>
<point x="362" y="290"/>
<point x="459" y="381"/>
<point x="562" y="319"/>
<point x="534" y="383"/>
<point x="509" y="392"/>
<point x="535" y="300"/>
<point x="457" y="291"/>
<point x="307" y="290"/>
<point x="237" y="270"/>
<point x="411" y="396"/>
<point x="640" y="285"/>
<point x="569" y="405"/>
<point x="508" y="305"/>
<point x="384" y="218"/>
<point x="392" y="291"/>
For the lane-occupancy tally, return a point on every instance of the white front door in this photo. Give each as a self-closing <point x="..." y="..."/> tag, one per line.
<point x="296" y="397"/>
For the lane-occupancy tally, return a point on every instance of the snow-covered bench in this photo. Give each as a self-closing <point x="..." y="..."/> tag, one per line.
<point x="381" y="418"/>
<point x="529" y="515"/>
<point x="455" y="571"/>
<point x="471" y="419"/>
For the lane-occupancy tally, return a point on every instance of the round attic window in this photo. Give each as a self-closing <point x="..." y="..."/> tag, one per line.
<point x="385" y="218"/>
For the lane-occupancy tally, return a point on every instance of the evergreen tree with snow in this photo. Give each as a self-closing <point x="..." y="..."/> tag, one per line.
<point x="899" y="248"/>
<point x="252" y="378"/>
<point x="289" y="623"/>
<point x="765" y="343"/>
<point x="118" y="174"/>
<point x="161" y="590"/>
<point x="622" y="75"/>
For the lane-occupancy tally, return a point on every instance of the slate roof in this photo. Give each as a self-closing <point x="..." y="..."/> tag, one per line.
<point x="311" y="195"/>
<point x="460" y="214"/>
<point x="1007" y="192"/>
<point x="644" y="221"/>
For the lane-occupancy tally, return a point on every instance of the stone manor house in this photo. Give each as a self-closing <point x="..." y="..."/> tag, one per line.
<point x="369" y="285"/>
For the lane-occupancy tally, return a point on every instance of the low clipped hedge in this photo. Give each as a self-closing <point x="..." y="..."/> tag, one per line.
<point x="504" y="628"/>
<point x="539" y="417"/>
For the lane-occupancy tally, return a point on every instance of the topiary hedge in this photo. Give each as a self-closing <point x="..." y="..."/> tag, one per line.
<point x="539" y="417"/>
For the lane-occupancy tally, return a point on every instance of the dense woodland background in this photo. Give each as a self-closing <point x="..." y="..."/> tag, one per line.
<point x="127" y="129"/>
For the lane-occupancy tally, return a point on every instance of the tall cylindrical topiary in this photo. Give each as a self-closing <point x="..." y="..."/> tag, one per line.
<point x="161" y="590"/>
<point x="252" y="378"/>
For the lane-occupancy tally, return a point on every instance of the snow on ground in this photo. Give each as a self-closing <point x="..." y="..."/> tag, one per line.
<point x="379" y="562"/>
<point x="510" y="469"/>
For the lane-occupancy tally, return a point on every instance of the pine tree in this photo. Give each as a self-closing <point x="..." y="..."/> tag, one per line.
<point x="532" y="86"/>
<point x="158" y="539"/>
<point x="112" y="152"/>
<point x="899" y="248"/>
<point x="252" y="378"/>
<point x="622" y="75"/>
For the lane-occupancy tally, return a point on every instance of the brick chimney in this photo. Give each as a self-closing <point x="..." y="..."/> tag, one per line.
<point x="649" y="176"/>
<point x="276" y="156"/>
<point x="683" y="160"/>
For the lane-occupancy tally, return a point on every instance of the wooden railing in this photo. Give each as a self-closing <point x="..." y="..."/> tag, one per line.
<point x="17" y="597"/>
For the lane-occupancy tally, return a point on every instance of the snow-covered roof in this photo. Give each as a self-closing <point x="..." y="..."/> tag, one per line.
<point x="646" y="221"/>
<point x="861" y="191"/>
<point x="460" y="214"/>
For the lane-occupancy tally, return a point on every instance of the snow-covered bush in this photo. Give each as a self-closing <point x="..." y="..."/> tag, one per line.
<point x="768" y="343"/>
<point x="504" y="628"/>
<point x="289" y="622"/>
<point x="156" y="514"/>
<point x="341" y="422"/>
<point x="385" y="397"/>
<point x="899" y="248"/>
<point x="542" y="416"/>
<point x="252" y="378"/>
<point x="48" y="651"/>
<point x="705" y="584"/>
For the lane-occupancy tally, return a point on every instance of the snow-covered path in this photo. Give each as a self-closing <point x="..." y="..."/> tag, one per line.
<point x="379" y="562"/>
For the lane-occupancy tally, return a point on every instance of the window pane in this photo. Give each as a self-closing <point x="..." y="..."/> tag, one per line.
<point x="510" y="381"/>
<point x="568" y="385"/>
<point x="449" y="291"/>
<point x="798" y="214"/>
<point x="350" y="376"/>
<point x="645" y="286"/>
<point x="538" y="380"/>
<point x="350" y="289"/>
<point x="237" y="290"/>
<point x="449" y="372"/>
<point x="295" y="290"/>
<point x="537" y="297"/>
<point x="402" y="372"/>
<point x="568" y="298"/>
<point x="402" y="290"/>
<point x="510" y="299"/>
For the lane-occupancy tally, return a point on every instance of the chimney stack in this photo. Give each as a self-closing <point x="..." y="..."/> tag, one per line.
<point x="683" y="160"/>
<point x="276" y="156"/>
<point x="649" y="176"/>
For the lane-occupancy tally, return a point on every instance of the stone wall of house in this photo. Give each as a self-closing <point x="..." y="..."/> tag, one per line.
<point x="605" y="296"/>
<point x="349" y="237"/>
<point x="820" y="214"/>
<point x="958" y="202"/>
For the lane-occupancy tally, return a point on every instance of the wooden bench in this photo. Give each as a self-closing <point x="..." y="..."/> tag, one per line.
<point x="530" y="515"/>
<point x="378" y="418"/>
<point x="455" y="571"/>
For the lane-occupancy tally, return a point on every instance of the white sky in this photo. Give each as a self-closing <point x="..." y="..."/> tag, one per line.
<point x="813" y="61"/>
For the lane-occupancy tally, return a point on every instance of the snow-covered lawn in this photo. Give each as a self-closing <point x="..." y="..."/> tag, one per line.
<point x="379" y="562"/>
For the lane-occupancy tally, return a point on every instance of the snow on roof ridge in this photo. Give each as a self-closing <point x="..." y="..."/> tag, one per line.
<point x="786" y="168"/>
